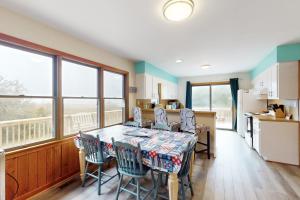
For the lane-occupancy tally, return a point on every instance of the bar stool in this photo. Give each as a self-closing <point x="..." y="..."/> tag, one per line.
<point x="137" y="117"/>
<point x="188" y="125"/>
<point x="161" y="119"/>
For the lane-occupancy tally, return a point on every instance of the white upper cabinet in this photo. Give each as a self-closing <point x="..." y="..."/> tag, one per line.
<point x="279" y="81"/>
<point x="169" y="90"/>
<point x="288" y="80"/>
<point x="144" y="86"/>
<point x="147" y="87"/>
<point x="155" y="82"/>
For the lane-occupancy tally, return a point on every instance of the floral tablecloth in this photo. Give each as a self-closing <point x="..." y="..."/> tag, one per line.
<point x="162" y="150"/>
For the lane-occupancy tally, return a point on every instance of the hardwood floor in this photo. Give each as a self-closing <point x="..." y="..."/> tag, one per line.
<point x="237" y="173"/>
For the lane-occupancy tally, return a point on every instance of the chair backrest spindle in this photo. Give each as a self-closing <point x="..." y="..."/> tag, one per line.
<point x="128" y="157"/>
<point x="92" y="147"/>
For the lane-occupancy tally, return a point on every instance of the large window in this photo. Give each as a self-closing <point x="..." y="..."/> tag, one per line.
<point x="48" y="95"/>
<point x="80" y="97"/>
<point x="217" y="98"/>
<point x="114" y="102"/>
<point x="26" y="97"/>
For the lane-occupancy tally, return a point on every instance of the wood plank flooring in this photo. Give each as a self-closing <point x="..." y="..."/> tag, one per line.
<point x="238" y="173"/>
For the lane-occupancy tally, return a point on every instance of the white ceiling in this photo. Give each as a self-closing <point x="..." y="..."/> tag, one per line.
<point x="231" y="35"/>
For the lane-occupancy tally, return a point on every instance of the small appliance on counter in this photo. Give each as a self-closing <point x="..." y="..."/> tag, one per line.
<point x="277" y="110"/>
<point x="174" y="105"/>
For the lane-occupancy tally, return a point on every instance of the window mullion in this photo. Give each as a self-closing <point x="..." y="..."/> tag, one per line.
<point x="59" y="100"/>
<point x="101" y="97"/>
<point x="210" y="98"/>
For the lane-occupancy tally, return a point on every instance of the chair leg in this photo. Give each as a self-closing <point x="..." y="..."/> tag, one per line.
<point x="84" y="175"/>
<point x="167" y="178"/>
<point x="182" y="189"/>
<point x="119" y="187"/>
<point x="99" y="179"/>
<point x="190" y="185"/>
<point x="154" y="185"/>
<point x="208" y="144"/>
<point x="138" y="189"/>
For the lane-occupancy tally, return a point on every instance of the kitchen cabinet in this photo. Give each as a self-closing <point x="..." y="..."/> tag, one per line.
<point x="279" y="81"/>
<point x="147" y="87"/>
<point x="276" y="141"/>
<point x="256" y="132"/>
<point x="271" y="77"/>
<point x="260" y="86"/>
<point x="169" y="90"/>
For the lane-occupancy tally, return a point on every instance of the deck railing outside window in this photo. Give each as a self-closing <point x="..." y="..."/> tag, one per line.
<point x="26" y="131"/>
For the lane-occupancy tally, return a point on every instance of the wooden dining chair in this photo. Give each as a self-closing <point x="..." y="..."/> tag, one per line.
<point x="129" y="160"/>
<point x="94" y="154"/>
<point x="183" y="175"/>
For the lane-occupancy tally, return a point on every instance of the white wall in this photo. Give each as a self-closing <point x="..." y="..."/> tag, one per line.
<point x="28" y="29"/>
<point x="244" y="82"/>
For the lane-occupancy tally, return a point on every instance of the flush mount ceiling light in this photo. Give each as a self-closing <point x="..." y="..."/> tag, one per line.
<point x="206" y="66"/>
<point x="178" y="10"/>
<point x="179" y="61"/>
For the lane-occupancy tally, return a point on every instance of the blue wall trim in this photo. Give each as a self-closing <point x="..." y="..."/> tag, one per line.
<point x="283" y="53"/>
<point x="145" y="67"/>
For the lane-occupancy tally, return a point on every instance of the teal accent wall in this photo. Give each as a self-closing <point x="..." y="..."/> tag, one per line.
<point x="145" y="67"/>
<point x="264" y="64"/>
<point x="139" y="67"/>
<point x="289" y="52"/>
<point x="283" y="53"/>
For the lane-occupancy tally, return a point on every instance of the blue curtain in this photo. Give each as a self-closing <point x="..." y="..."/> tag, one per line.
<point x="188" y="97"/>
<point x="234" y="85"/>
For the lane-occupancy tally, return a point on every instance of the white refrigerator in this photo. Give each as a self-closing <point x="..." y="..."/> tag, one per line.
<point x="247" y="102"/>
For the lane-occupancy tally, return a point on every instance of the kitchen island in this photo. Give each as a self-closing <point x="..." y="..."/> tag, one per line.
<point x="202" y="117"/>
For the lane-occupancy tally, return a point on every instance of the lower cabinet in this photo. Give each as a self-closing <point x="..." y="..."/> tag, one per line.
<point x="277" y="141"/>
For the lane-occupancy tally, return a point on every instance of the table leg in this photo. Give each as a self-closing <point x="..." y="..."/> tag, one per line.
<point x="192" y="164"/>
<point x="81" y="162"/>
<point x="173" y="186"/>
<point x="208" y="144"/>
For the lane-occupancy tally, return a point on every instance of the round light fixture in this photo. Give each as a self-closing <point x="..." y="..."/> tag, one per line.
<point x="206" y="66"/>
<point x="178" y="10"/>
<point x="179" y="61"/>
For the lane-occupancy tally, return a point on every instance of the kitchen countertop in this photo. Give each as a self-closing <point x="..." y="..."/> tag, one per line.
<point x="178" y="111"/>
<point x="273" y="118"/>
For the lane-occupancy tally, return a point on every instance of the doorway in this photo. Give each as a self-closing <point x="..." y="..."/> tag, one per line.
<point x="215" y="97"/>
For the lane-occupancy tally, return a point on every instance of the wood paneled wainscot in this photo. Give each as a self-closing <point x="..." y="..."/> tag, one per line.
<point x="202" y="117"/>
<point x="37" y="168"/>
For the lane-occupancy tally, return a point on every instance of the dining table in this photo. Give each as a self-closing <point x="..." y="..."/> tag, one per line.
<point x="161" y="150"/>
